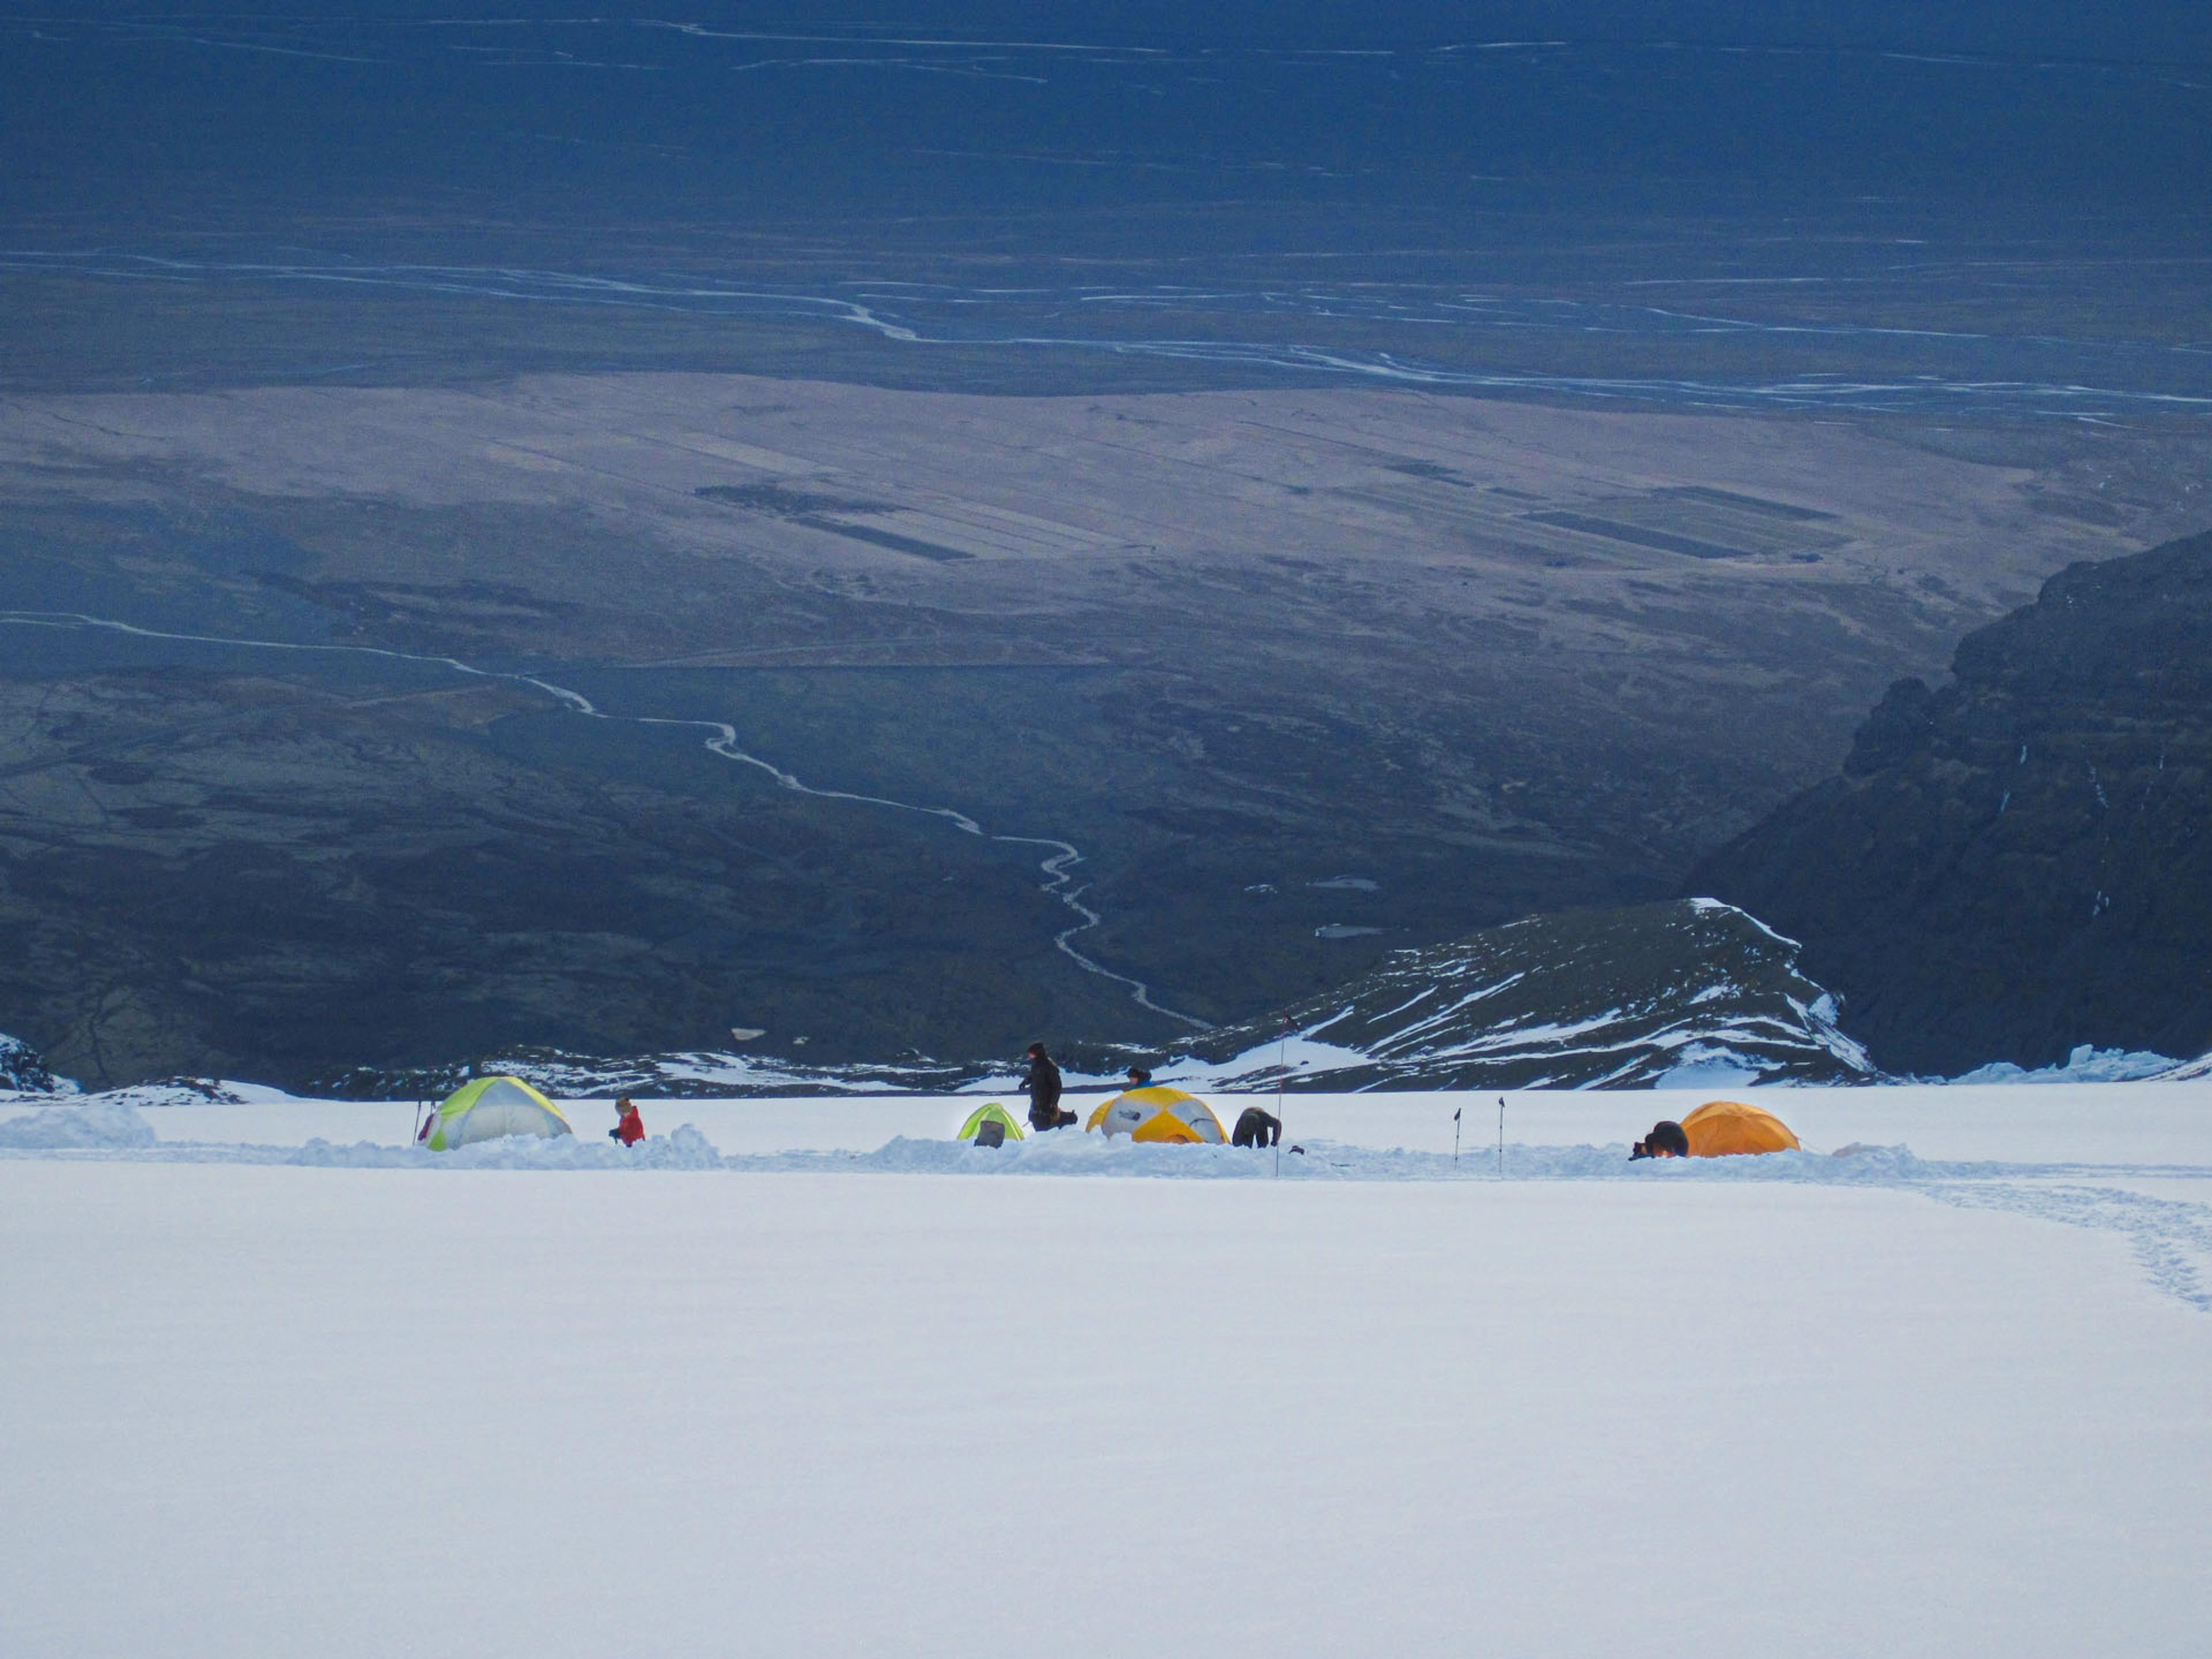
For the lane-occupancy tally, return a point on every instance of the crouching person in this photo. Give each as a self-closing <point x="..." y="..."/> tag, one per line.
<point x="629" y="1126"/>
<point x="1256" y="1128"/>
<point x="1666" y="1139"/>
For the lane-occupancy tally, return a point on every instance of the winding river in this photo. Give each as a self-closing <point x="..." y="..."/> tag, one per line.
<point x="1057" y="866"/>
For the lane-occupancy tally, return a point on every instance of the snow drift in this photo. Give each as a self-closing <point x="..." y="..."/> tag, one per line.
<point x="97" y="1122"/>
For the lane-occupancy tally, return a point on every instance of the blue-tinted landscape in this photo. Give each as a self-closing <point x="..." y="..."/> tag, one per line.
<point x="1352" y="475"/>
<point x="1959" y="208"/>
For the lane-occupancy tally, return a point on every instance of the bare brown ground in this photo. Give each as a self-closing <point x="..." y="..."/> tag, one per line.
<point x="994" y="523"/>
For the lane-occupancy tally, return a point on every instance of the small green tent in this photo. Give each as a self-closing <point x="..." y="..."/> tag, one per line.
<point x="992" y="1112"/>
<point x="491" y="1107"/>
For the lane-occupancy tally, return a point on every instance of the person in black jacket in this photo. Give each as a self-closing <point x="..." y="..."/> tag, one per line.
<point x="1043" y="1085"/>
<point x="1256" y="1127"/>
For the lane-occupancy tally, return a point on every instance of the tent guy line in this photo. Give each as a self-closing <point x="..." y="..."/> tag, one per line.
<point x="1057" y="866"/>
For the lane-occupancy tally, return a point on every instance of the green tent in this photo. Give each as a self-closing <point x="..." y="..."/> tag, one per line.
<point x="993" y="1113"/>
<point x="491" y="1107"/>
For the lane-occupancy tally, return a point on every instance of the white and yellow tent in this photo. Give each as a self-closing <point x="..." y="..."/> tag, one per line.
<point x="491" y="1107"/>
<point x="1158" y="1113"/>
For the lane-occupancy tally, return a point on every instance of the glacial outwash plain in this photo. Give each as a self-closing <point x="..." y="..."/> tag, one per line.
<point x="1306" y="674"/>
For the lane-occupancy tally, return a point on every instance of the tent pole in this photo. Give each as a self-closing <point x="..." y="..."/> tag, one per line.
<point x="1282" y="1077"/>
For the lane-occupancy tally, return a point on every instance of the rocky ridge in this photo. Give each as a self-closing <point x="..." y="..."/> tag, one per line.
<point x="2018" y="863"/>
<point x="1689" y="991"/>
<point x="23" y="1071"/>
<point x="1588" y="999"/>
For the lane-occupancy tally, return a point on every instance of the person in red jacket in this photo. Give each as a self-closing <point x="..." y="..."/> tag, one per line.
<point x="631" y="1129"/>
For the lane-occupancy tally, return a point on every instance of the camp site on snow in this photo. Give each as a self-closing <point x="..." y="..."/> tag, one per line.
<point x="1160" y="1114"/>
<point x="1156" y="1114"/>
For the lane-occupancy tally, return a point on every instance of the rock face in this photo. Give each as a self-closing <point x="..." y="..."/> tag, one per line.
<point x="23" y="1070"/>
<point x="2020" y="862"/>
<point x="1586" y="999"/>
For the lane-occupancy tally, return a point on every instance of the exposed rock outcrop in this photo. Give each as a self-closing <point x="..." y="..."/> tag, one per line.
<point x="2020" y="861"/>
<point x="1688" y="991"/>
<point x="1582" y="999"/>
<point x="23" y="1070"/>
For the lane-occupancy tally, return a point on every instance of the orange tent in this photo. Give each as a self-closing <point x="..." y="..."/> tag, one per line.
<point x="1722" y="1128"/>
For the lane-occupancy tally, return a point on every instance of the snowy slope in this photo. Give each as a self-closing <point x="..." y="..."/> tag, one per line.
<point x="2188" y="1071"/>
<point x="788" y="1408"/>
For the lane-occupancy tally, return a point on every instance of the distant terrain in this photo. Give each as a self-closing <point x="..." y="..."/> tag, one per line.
<point x="1687" y="994"/>
<point x="2017" y="862"/>
<point x="1304" y="677"/>
<point x="907" y="533"/>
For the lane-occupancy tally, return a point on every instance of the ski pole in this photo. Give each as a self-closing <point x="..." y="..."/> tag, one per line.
<point x="1455" y="1137"/>
<point x="1501" y="1137"/>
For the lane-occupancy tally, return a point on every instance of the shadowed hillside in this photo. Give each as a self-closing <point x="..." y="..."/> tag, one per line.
<point x="2018" y="862"/>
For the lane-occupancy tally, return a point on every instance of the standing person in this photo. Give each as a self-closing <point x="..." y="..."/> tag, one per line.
<point x="630" y="1128"/>
<point x="1041" y="1083"/>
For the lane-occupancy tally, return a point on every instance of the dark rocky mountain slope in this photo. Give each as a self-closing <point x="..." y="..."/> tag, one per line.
<point x="2020" y="861"/>
<point x="1687" y="992"/>
<point x="1584" y="998"/>
<point x="242" y="876"/>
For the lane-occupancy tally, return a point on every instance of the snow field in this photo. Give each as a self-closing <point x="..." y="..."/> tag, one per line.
<point x="279" y="1411"/>
<point x="288" y="1396"/>
<point x="2107" y="1123"/>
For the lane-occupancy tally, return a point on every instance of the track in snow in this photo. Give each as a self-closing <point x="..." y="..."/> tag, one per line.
<point x="2172" y="1238"/>
<point x="1058" y="866"/>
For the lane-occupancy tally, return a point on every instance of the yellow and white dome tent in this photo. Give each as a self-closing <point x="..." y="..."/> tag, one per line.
<point x="489" y="1107"/>
<point x="1158" y="1113"/>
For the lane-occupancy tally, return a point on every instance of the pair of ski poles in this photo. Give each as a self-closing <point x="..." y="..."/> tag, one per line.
<point x="1501" y="1136"/>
